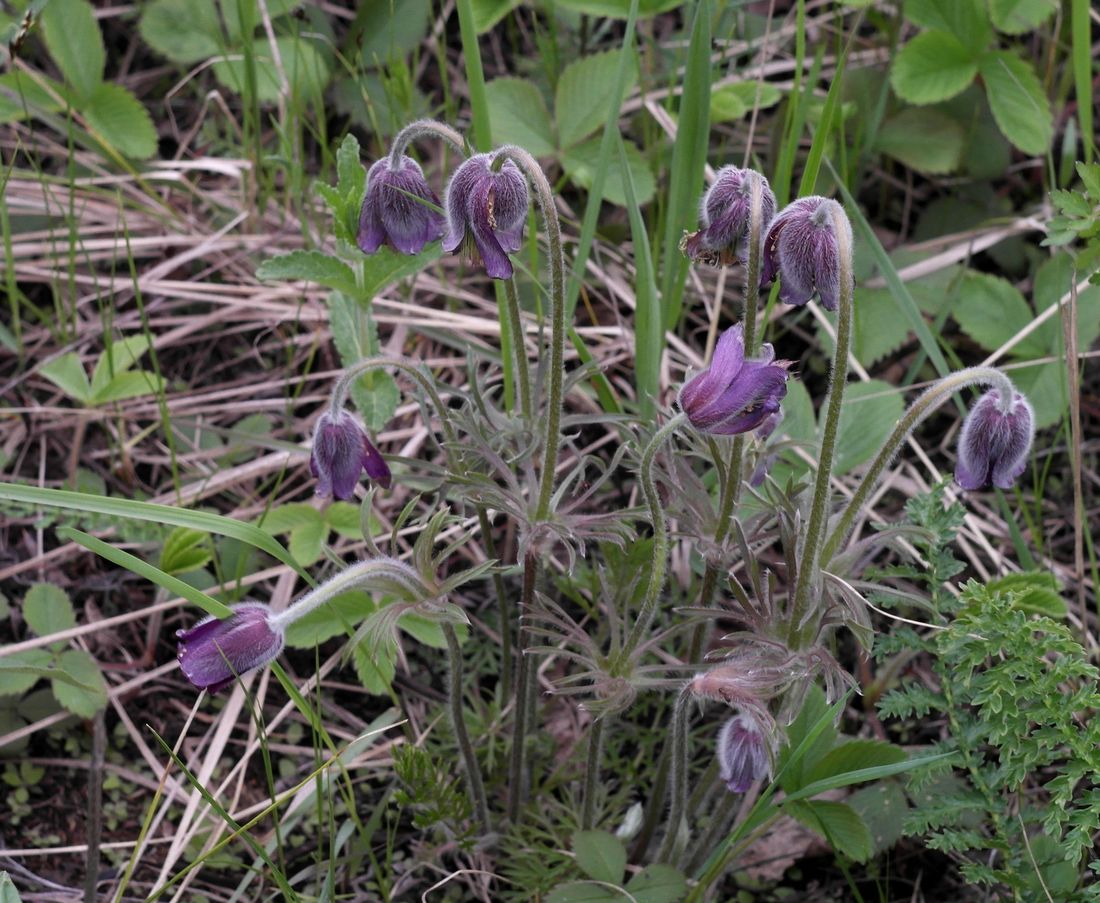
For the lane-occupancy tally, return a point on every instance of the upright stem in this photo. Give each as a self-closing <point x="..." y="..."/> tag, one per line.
<point x="919" y="410"/>
<point x="420" y="128"/>
<point x="678" y="785"/>
<point x="819" y="511"/>
<point x="752" y="266"/>
<point x="458" y="722"/>
<point x="545" y="195"/>
<point x="515" y="326"/>
<point x="504" y="606"/>
<point x="592" y="772"/>
<point x="517" y="773"/>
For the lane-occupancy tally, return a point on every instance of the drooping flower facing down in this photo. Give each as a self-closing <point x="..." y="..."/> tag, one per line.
<point x="341" y="451"/>
<point x="725" y="215"/>
<point x="214" y="652"/>
<point x="396" y="209"/>
<point x="735" y="395"/>
<point x="486" y="211"/>
<point x="801" y="247"/>
<point x="995" y="441"/>
<point x="742" y="753"/>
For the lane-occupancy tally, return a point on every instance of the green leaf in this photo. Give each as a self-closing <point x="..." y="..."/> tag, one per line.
<point x="584" y="892"/>
<point x="117" y="358"/>
<point x="75" y="43"/>
<point x="584" y="89"/>
<point x="965" y="19"/>
<point x="375" y="666"/>
<point x="291" y="516"/>
<point x="84" y="700"/>
<point x="67" y="373"/>
<point x="853" y="755"/>
<point x="343" y="518"/>
<point x="47" y="609"/>
<point x="618" y="9"/>
<point x="600" y="855"/>
<point x="391" y="29"/>
<point x="306" y="71"/>
<point x="1035" y="591"/>
<point x="791" y="773"/>
<point x="128" y="385"/>
<point x="518" y="115"/>
<point x="22" y="94"/>
<point x="351" y="186"/>
<point x="428" y="632"/>
<point x="386" y="266"/>
<point x="1052" y="281"/>
<point x="732" y="102"/>
<point x="185" y="550"/>
<point x="8" y="891"/>
<point x="991" y="311"/>
<point x="932" y="67"/>
<point x="838" y="823"/>
<point x="488" y="13"/>
<point x="1020" y="16"/>
<point x="883" y="808"/>
<point x="877" y="328"/>
<point x="375" y="393"/>
<point x="309" y="266"/>
<point x="657" y="884"/>
<point x="581" y="162"/>
<point x="1017" y="100"/>
<point x="184" y="31"/>
<point x="120" y="119"/>
<point x="330" y="619"/>
<point x="869" y="412"/>
<point x="306" y="542"/>
<point x="22" y="670"/>
<point x="926" y="140"/>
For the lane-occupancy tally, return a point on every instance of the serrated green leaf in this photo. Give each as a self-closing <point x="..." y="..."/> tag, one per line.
<point x="22" y="95"/>
<point x="584" y="89"/>
<point x="128" y="385"/>
<point x="868" y="414"/>
<point x="1090" y="176"/>
<point x="518" y="115"/>
<point x="1020" y="16"/>
<point x="583" y="892"/>
<point x="306" y="70"/>
<point x="184" y="31"/>
<point x="386" y="266"/>
<point x="852" y="755"/>
<point x="75" y="43"/>
<point x="882" y="807"/>
<point x="306" y="542"/>
<point x="375" y="665"/>
<point x="375" y="393"/>
<point x="185" y="550"/>
<point x="291" y="516"/>
<point x="600" y="855"/>
<point x="732" y="102"/>
<point x="934" y="66"/>
<point x="1035" y="591"/>
<point x="581" y="162"/>
<point x="121" y="120"/>
<point x="343" y="518"/>
<point x="926" y="140"/>
<point x="838" y="823"/>
<point x="390" y="30"/>
<point x="991" y="311"/>
<point x="47" y="609"/>
<point x="1018" y="102"/>
<point x="351" y="186"/>
<point x="330" y="619"/>
<point x="429" y="632"/>
<point x="22" y="670"/>
<point x="965" y="19"/>
<point x="67" y="373"/>
<point x="309" y="266"/>
<point x="84" y="700"/>
<point x="657" y="884"/>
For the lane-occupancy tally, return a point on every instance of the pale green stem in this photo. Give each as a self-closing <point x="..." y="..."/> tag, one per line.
<point x="419" y="129"/>
<point x="592" y="772"/>
<point x="515" y="326"/>
<point x="458" y="722"/>
<point x="677" y="796"/>
<point x="819" y="510"/>
<point x="932" y="398"/>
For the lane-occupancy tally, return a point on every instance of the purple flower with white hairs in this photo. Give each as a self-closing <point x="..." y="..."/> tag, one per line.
<point x="397" y="209"/>
<point x="802" y="248"/>
<point x="735" y="394"/>
<point x="742" y="753"/>
<point x="341" y="451"/>
<point x="486" y="211"/>
<point x="214" y="652"/>
<point x="725" y="215"/>
<point x="995" y="441"/>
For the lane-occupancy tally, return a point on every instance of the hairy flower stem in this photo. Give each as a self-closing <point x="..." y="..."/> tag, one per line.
<point x="517" y="772"/>
<point x="529" y="165"/>
<point x="592" y="772"/>
<point x="819" y="510"/>
<point x="504" y="606"/>
<point x="458" y="723"/>
<point x="677" y="791"/>
<point x="515" y="327"/>
<point x="419" y="129"/>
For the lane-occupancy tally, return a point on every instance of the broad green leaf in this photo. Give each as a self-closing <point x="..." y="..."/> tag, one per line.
<point x="386" y="266"/>
<point x="519" y="116"/>
<point x="116" y="359"/>
<point x="375" y="666"/>
<point x="657" y="884"/>
<point x="883" y="808"/>
<point x="121" y="120"/>
<point x="185" y="550"/>
<point x="813" y="710"/>
<point x="84" y="700"/>
<point x="375" y="393"/>
<point x="488" y="13"/>
<point x="926" y="140"/>
<point x="128" y="385"/>
<point x="306" y="70"/>
<point x="991" y="311"/>
<point x="8" y="891"/>
<point x="391" y="28"/>
<point x="47" y="609"/>
<point x="863" y="775"/>
<point x="1052" y="281"/>
<point x="583" y="92"/>
<point x="22" y="95"/>
<point x="852" y="755"/>
<point x="584" y="892"/>
<point x="1018" y="102"/>
<point x="618" y="9"/>
<point x="291" y="516"/>
<point x="1020" y="16"/>
<point x="600" y="855"/>
<point x="1035" y="591"/>
<point x="838" y="823"/>
<point x="429" y="632"/>
<point x="67" y="373"/>
<point x="581" y="162"/>
<point x="343" y="518"/>
<point x="306" y="541"/>
<point x="965" y="19"/>
<point x="877" y="328"/>
<point x="351" y="186"/>
<point x="184" y="31"/>
<point x="330" y="619"/>
<point x="22" y="670"/>
<point x="309" y="266"/>
<point x="75" y="43"/>
<point x="932" y="67"/>
<point x="869" y="412"/>
<point x="732" y="102"/>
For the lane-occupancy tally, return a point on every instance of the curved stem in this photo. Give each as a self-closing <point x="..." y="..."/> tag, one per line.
<point x="677" y="795"/>
<point x="592" y="772"/>
<point x="458" y="722"/>
<point x="819" y="511"/>
<point x="919" y="410"/>
<point x="419" y="129"/>
<point x="515" y="326"/>
<point x="529" y="165"/>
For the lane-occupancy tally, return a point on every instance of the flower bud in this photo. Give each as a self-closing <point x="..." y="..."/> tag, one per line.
<point x="396" y="209"/>
<point x="802" y="248"/>
<point x="742" y="753"/>
<point x="995" y="441"/>
<point x="214" y="652"/>
<point x="735" y="395"/>
<point x="341" y="451"/>
<point x="725" y="215"/>
<point x="486" y="211"/>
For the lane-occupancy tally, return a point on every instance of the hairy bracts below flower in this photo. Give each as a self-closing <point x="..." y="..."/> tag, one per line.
<point x="341" y="451"/>
<point x="725" y="217"/>
<point x="486" y="211"/>
<point x="801" y="247"/>
<point x="735" y="394"/>
<point x="214" y="652"/>
<point x="995" y="441"/>
<point x="398" y="209"/>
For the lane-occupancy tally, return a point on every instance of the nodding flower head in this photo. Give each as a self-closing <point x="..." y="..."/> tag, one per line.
<point x="735" y="394"/>
<point x="341" y="451"/>
<point x="397" y="208"/>
<point x="725" y="215"/>
<point x="995" y="441"/>
<point x="214" y="652"/>
<point x="802" y="247"/>
<point x="486" y="211"/>
<point x="743" y="753"/>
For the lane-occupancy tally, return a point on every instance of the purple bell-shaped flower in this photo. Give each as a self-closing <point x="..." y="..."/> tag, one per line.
<point x="995" y="441"/>
<point x="801" y="247"/>
<point x="341" y="451"/>
<point x="742" y="753"/>
<point x="398" y="208"/>
<point x="486" y="211"/>
<point x="725" y="215"/>
<point x="214" y="652"/>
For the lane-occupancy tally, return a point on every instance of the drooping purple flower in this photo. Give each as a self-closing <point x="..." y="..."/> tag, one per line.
<point x="341" y="451"/>
<point x="396" y="208"/>
<point x="486" y="211"/>
<point x="725" y="216"/>
<point x="735" y="395"/>
<point x="801" y="247"/>
<point x="214" y="652"/>
<point x="742" y="753"/>
<point x="995" y="441"/>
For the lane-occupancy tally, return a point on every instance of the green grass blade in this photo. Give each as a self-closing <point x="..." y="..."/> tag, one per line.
<point x="1082" y="72"/>
<point x="475" y="76"/>
<point x="689" y="157"/>
<point x="861" y="775"/>
<point x="796" y="111"/>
